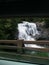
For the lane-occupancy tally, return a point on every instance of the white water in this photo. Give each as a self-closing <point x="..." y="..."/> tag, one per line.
<point x="28" y="32"/>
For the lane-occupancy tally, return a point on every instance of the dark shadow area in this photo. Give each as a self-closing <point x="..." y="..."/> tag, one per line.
<point x="15" y="7"/>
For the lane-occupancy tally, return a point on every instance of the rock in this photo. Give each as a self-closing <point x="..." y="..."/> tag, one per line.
<point x="44" y="32"/>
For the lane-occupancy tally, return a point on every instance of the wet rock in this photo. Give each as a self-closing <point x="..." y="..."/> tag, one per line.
<point x="44" y="32"/>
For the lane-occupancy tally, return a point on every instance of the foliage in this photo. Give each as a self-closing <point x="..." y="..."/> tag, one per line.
<point x="47" y="22"/>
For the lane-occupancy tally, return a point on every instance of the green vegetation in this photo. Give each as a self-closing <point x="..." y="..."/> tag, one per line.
<point x="37" y="53"/>
<point x="8" y="26"/>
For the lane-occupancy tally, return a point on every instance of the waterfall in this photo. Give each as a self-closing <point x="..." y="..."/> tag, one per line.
<point x="28" y="32"/>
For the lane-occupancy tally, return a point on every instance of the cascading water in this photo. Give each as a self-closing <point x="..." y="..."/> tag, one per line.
<point x="28" y="32"/>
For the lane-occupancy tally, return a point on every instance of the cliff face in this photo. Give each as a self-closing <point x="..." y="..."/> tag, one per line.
<point x="44" y="32"/>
